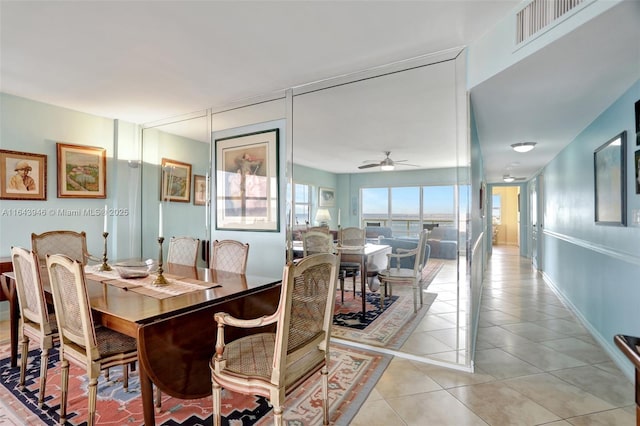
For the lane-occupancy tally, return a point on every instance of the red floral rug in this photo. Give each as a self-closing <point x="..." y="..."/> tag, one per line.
<point x="353" y="374"/>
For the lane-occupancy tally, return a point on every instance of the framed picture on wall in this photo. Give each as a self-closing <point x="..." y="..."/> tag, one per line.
<point x="637" y="164"/>
<point x="199" y="190"/>
<point x="23" y="176"/>
<point x="247" y="185"/>
<point x="176" y="181"/>
<point x="326" y="197"/>
<point x="82" y="171"/>
<point x="609" y="162"/>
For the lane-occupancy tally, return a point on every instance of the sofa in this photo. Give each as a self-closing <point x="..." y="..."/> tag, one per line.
<point x="375" y="232"/>
<point x="406" y="244"/>
<point x="443" y="242"/>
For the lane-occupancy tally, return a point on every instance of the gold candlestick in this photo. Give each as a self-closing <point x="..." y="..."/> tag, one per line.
<point x="160" y="279"/>
<point x="105" y="266"/>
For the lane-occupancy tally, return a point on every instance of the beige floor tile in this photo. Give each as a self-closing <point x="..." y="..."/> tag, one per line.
<point x="557" y="396"/>
<point x="374" y="413"/>
<point x="503" y="365"/>
<point x="434" y="408"/>
<point x="618" y="417"/>
<point x="578" y="349"/>
<point x="533" y="332"/>
<point x="544" y="358"/>
<point x="615" y="389"/>
<point x="498" y="404"/>
<point x="402" y="378"/>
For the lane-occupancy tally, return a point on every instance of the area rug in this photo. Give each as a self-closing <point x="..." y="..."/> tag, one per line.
<point x="353" y="374"/>
<point x="389" y="327"/>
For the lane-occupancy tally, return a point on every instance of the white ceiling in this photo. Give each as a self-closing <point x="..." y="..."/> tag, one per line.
<point x="142" y="61"/>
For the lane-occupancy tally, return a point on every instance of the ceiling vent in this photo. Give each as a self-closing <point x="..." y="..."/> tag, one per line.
<point x="539" y="14"/>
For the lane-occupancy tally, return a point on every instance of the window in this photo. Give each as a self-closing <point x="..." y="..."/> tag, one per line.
<point x="496" y="209"/>
<point x="408" y="209"/>
<point x="302" y="203"/>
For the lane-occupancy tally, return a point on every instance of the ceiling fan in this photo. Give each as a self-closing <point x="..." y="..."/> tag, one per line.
<point x="387" y="163"/>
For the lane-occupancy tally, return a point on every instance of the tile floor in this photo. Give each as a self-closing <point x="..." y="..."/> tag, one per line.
<point x="535" y="365"/>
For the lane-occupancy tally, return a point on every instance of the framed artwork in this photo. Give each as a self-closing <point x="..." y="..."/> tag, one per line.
<point x="199" y="190"/>
<point x="82" y="171"/>
<point x="637" y="164"/>
<point x="637" y="106"/>
<point x="609" y="162"/>
<point x="247" y="182"/>
<point x="326" y="197"/>
<point x="176" y="181"/>
<point x="481" y="196"/>
<point x="23" y="176"/>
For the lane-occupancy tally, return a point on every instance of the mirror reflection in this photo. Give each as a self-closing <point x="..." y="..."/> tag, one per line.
<point x="176" y="164"/>
<point x="381" y="154"/>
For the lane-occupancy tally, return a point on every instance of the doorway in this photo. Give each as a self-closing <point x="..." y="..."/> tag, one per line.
<point x="505" y="215"/>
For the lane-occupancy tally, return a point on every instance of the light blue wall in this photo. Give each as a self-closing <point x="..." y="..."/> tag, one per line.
<point x="35" y="127"/>
<point x="594" y="267"/>
<point x="320" y="179"/>
<point x="179" y="218"/>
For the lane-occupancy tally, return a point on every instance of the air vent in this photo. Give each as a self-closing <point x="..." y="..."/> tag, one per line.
<point x="539" y="14"/>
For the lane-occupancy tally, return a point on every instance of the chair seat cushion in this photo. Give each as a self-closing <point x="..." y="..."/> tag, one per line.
<point x="251" y="355"/>
<point x="396" y="274"/>
<point x="111" y="342"/>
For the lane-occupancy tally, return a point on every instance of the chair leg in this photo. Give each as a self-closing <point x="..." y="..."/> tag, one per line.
<point x="24" y="354"/>
<point x="217" y="397"/>
<point x="383" y="292"/>
<point x="342" y="289"/>
<point x="64" y="383"/>
<point x="44" y="360"/>
<point x="415" y="298"/>
<point x="325" y="395"/>
<point x="158" y="399"/>
<point x="125" y="377"/>
<point x="93" y="392"/>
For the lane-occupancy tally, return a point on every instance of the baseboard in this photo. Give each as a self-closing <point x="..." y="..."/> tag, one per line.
<point x="618" y="357"/>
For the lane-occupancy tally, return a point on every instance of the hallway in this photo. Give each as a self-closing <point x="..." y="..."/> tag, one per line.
<point x="535" y="365"/>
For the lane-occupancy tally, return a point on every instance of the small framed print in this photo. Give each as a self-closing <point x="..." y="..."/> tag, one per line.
<point x="326" y="197"/>
<point x="176" y="181"/>
<point x="199" y="190"/>
<point x="82" y="171"/>
<point x="609" y="163"/>
<point x="23" y="176"/>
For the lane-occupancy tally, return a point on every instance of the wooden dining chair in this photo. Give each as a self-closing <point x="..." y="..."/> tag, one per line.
<point x="81" y="343"/>
<point x="317" y="242"/>
<point x="396" y="274"/>
<point x="37" y="323"/>
<point x="271" y="364"/>
<point x="183" y="251"/>
<point x="230" y="256"/>
<point x="69" y="243"/>
<point x="351" y="243"/>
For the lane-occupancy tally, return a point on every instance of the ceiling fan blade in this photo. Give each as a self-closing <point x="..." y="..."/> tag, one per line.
<point x="367" y="166"/>
<point x="407" y="164"/>
<point x="399" y="161"/>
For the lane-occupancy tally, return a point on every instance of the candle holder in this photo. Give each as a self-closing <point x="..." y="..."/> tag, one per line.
<point x="105" y="266"/>
<point x="160" y="279"/>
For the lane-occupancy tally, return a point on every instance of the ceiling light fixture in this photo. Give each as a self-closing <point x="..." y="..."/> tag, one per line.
<point x="508" y="178"/>
<point x="387" y="164"/>
<point x="523" y="146"/>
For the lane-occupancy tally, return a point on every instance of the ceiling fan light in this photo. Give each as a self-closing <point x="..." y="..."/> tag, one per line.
<point x="387" y="167"/>
<point x="508" y="178"/>
<point x="523" y="146"/>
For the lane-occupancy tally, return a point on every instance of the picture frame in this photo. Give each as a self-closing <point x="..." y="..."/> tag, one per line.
<point x="247" y="182"/>
<point x="23" y="176"/>
<point x="199" y="190"/>
<point x="82" y="171"/>
<point x="637" y="109"/>
<point x="609" y="162"/>
<point x="326" y="197"/>
<point x="175" y="181"/>
<point x="637" y="167"/>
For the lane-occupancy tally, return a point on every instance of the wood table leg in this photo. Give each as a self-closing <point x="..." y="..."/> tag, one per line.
<point x="9" y="289"/>
<point x="146" y="393"/>
<point x="363" y="285"/>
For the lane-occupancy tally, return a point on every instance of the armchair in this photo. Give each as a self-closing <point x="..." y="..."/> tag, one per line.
<point x="396" y="274"/>
<point x="273" y="364"/>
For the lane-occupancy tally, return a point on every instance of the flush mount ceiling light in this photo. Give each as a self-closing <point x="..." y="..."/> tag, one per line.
<point x="508" y="178"/>
<point x="523" y="146"/>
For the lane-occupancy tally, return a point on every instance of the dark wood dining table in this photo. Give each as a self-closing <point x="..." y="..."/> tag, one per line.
<point x="176" y="336"/>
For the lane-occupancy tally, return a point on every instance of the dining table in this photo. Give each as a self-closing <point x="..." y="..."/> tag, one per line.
<point x="176" y="333"/>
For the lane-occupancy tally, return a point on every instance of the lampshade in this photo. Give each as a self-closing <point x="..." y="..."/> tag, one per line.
<point x="323" y="217"/>
<point x="523" y="146"/>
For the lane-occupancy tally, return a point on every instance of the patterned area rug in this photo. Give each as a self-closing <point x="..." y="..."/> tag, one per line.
<point x="353" y="374"/>
<point x="389" y="327"/>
